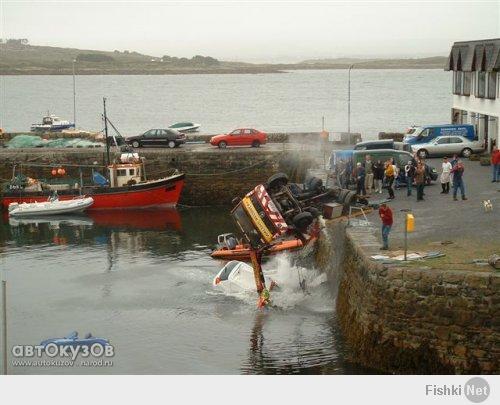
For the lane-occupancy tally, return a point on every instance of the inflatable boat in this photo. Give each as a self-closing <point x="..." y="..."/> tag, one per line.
<point x="51" y="207"/>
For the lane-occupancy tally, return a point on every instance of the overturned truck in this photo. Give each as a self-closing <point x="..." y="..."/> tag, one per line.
<point x="278" y="212"/>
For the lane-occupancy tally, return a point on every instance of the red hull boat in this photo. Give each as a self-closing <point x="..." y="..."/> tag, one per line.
<point x="150" y="194"/>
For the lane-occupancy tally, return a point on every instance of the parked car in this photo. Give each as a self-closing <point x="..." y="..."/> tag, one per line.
<point x="379" y="144"/>
<point x="157" y="137"/>
<point x="448" y="145"/>
<point x="240" y="137"/>
<point x="424" y="134"/>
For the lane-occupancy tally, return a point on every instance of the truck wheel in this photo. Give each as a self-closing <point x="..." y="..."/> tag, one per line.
<point x="255" y="144"/>
<point x="349" y="199"/>
<point x="466" y="152"/>
<point x="314" y="184"/>
<point x="314" y="211"/>
<point x="302" y="220"/>
<point x="171" y="144"/>
<point x="342" y="196"/>
<point x="422" y="153"/>
<point x="277" y="180"/>
<point x="222" y="144"/>
<point x="136" y="144"/>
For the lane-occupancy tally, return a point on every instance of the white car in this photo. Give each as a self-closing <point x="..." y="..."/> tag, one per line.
<point x="238" y="276"/>
<point x="448" y="145"/>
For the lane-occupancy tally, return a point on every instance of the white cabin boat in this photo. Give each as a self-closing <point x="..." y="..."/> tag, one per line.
<point x="52" y="123"/>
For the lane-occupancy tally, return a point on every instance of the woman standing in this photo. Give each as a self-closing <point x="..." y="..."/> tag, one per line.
<point x="378" y="176"/>
<point x="445" y="176"/>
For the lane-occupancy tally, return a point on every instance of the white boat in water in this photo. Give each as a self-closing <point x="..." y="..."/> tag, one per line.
<point x="51" y="207"/>
<point x="238" y="276"/>
<point x="52" y="123"/>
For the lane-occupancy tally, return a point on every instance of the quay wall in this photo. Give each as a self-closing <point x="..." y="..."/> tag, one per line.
<point x="213" y="176"/>
<point x="402" y="319"/>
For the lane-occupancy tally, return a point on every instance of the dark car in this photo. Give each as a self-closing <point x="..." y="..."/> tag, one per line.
<point x="158" y="137"/>
<point x="381" y="144"/>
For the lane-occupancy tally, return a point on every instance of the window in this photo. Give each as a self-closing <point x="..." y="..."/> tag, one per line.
<point x="492" y="84"/>
<point x="121" y="172"/>
<point x="150" y="133"/>
<point x="467" y="83"/>
<point x="457" y="85"/>
<point x="131" y="171"/>
<point x="247" y="132"/>
<point x="235" y="132"/>
<point x="160" y="133"/>
<point x="442" y="141"/>
<point x="455" y="140"/>
<point x="481" y="84"/>
<point x="424" y="133"/>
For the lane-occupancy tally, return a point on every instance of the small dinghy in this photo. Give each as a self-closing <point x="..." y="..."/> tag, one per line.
<point x="73" y="340"/>
<point x="51" y="207"/>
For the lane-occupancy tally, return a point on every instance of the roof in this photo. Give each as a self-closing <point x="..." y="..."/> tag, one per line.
<point x="470" y="56"/>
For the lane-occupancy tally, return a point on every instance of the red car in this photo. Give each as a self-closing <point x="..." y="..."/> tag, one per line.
<point x="240" y="137"/>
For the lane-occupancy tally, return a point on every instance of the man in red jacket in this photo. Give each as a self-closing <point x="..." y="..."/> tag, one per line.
<point x="495" y="162"/>
<point x="385" y="214"/>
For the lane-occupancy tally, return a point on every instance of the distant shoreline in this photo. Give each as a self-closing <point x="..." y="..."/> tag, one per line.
<point x="145" y="72"/>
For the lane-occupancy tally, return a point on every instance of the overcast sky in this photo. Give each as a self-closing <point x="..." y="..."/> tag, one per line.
<point x="253" y="31"/>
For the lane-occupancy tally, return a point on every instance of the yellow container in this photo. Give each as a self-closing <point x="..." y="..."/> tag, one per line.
<point x="410" y="223"/>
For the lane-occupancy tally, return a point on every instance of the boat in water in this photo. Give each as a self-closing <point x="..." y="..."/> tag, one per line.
<point x="50" y="207"/>
<point x="229" y="248"/>
<point x="237" y="276"/>
<point x="72" y="339"/>
<point x="125" y="187"/>
<point x="185" y="127"/>
<point x="52" y="123"/>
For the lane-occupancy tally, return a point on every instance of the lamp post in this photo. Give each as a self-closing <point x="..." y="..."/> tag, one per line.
<point x="74" y="94"/>
<point x="349" y="99"/>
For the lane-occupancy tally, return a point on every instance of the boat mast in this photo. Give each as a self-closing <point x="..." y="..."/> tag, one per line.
<point x="106" y="131"/>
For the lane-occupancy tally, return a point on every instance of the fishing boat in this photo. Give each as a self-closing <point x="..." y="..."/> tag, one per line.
<point x="185" y="126"/>
<point x="52" y="123"/>
<point x="50" y="207"/>
<point x="125" y="187"/>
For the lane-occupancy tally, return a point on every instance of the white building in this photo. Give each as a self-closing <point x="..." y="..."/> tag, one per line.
<point x="476" y="87"/>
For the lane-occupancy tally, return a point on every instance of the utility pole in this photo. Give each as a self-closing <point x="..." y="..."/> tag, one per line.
<point x="106" y="131"/>
<point x="349" y="99"/>
<point x="74" y="94"/>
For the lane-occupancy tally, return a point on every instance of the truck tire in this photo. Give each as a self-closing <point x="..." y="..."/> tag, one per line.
<point x="302" y="220"/>
<point x="349" y="199"/>
<point x="314" y="211"/>
<point x="277" y="180"/>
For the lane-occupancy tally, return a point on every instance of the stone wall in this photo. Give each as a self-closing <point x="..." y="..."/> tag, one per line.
<point x="213" y="177"/>
<point x="408" y="319"/>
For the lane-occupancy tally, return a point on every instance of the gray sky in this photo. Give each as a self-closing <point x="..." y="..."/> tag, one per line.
<point x="253" y="31"/>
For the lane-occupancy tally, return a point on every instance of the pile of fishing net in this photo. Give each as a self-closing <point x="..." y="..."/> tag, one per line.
<point x="34" y="141"/>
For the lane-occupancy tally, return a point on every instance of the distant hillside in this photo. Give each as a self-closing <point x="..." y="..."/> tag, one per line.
<point x="19" y="58"/>
<point x="435" y="62"/>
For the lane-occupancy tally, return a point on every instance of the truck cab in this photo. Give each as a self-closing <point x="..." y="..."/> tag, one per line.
<point x="426" y="133"/>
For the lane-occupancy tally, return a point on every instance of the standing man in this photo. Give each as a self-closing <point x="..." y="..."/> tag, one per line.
<point x="458" y="181"/>
<point x="360" y="179"/>
<point x="445" y="176"/>
<point x="368" y="174"/>
<point x="420" y="180"/>
<point x="495" y="162"/>
<point x="409" y="174"/>
<point x="378" y="176"/>
<point x="385" y="214"/>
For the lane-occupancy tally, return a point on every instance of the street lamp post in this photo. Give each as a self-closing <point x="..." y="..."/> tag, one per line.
<point x="349" y="100"/>
<point x="74" y="94"/>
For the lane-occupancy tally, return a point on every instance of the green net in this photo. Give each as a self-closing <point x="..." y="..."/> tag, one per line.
<point x="34" y="141"/>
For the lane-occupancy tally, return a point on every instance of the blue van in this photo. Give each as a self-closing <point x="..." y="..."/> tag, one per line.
<point x="425" y="134"/>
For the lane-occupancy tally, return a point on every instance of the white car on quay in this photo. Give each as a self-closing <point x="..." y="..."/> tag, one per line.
<point x="448" y="146"/>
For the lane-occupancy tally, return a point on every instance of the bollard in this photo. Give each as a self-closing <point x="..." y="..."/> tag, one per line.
<point x="409" y="227"/>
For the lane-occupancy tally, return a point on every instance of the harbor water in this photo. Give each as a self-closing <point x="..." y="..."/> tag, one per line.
<point x="143" y="280"/>
<point x="381" y="100"/>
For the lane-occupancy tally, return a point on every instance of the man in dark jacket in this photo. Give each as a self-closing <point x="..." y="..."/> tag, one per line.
<point x="360" y="174"/>
<point x="420" y="180"/>
<point x="458" y="181"/>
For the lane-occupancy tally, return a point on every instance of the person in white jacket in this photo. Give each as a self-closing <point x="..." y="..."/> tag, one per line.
<point x="445" y="176"/>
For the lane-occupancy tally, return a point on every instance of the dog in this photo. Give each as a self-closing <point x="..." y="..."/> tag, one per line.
<point x="488" y="206"/>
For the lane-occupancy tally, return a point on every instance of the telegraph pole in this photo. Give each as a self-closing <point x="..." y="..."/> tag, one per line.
<point x="74" y="94"/>
<point x="349" y="99"/>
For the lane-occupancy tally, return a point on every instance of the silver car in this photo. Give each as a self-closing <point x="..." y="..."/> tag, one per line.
<point x="448" y="145"/>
